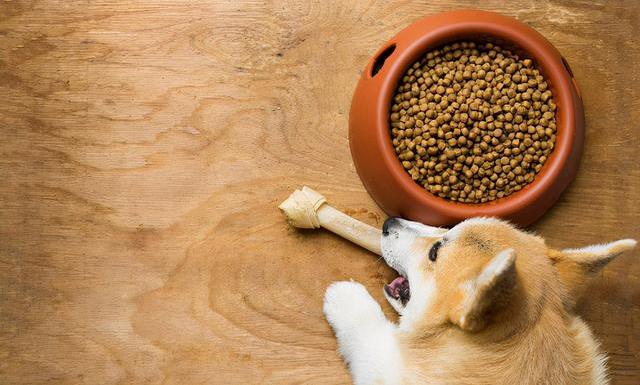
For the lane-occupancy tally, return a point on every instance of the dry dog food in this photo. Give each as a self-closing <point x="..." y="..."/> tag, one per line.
<point x="472" y="122"/>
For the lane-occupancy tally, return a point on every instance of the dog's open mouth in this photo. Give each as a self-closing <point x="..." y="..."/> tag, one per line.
<point x="399" y="289"/>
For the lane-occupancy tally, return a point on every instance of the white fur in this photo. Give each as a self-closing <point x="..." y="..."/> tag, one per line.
<point x="467" y="287"/>
<point x="494" y="269"/>
<point x="600" y="375"/>
<point x="501" y="262"/>
<point x="398" y="252"/>
<point x="424" y="293"/>
<point x="366" y="338"/>
<point x="397" y="246"/>
<point x="422" y="230"/>
<point x="605" y="248"/>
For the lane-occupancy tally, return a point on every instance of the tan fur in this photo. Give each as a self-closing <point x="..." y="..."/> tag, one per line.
<point x="516" y="327"/>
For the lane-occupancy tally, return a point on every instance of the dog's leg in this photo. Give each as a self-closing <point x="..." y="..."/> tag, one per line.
<point x="366" y="338"/>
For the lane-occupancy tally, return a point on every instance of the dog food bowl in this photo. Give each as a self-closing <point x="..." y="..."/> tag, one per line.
<point x="369" y="134"/>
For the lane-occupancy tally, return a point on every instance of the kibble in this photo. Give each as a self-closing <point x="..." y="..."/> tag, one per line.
<point x="473" y="122"/>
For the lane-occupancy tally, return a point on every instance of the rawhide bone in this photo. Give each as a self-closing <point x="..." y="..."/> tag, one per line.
<point x="309" y="210"/>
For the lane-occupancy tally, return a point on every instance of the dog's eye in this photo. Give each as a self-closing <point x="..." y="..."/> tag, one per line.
<point x="433" y="252"/>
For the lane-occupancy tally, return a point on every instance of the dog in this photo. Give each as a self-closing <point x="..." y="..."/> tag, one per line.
<point x="481" y="303"/>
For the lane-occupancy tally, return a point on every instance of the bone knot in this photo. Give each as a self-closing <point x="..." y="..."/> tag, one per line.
<point x="301" y="206"/>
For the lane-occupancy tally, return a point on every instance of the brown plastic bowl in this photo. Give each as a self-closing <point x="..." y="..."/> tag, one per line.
<point x="369" y="135"/>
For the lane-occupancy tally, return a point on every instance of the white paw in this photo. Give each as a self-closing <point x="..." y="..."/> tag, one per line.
<point x="348" y="305"/>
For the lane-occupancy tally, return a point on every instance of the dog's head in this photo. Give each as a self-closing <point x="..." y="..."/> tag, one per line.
<point x="482" y="272"/>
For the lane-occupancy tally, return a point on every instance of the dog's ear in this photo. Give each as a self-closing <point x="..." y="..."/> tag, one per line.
<point x="490" y="289"/>
<point x="576" y="266"/>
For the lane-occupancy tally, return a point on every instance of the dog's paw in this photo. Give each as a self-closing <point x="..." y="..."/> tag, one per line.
<point x="349" y="305"/>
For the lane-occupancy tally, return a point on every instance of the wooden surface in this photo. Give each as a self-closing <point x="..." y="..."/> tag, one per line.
<point x="146" y="145"/>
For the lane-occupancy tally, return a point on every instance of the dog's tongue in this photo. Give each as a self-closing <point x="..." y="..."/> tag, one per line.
<point x="399" y="287"/>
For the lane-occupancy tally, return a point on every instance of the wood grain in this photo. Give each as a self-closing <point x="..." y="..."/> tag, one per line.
<point x="146" y="145"/>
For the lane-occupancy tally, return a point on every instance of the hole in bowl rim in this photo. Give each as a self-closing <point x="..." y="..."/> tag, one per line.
<point x="380" y="59"/>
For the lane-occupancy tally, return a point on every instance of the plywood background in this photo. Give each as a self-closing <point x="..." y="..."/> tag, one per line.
<point x="145" y="147"/>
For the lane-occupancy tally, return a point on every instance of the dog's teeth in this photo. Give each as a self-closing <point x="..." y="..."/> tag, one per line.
<point x="392" y="291"/>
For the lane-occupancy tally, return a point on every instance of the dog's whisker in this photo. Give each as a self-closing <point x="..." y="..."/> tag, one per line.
<point x="377" y="263"/>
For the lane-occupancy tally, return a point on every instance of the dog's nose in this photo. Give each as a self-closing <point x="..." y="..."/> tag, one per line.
<point x="387" y="224"/>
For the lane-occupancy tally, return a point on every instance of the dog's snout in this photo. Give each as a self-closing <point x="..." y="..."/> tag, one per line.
<point x="387" y="225"/>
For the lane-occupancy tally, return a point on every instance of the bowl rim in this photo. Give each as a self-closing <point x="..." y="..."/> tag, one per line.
<point x="464" y="25"/>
